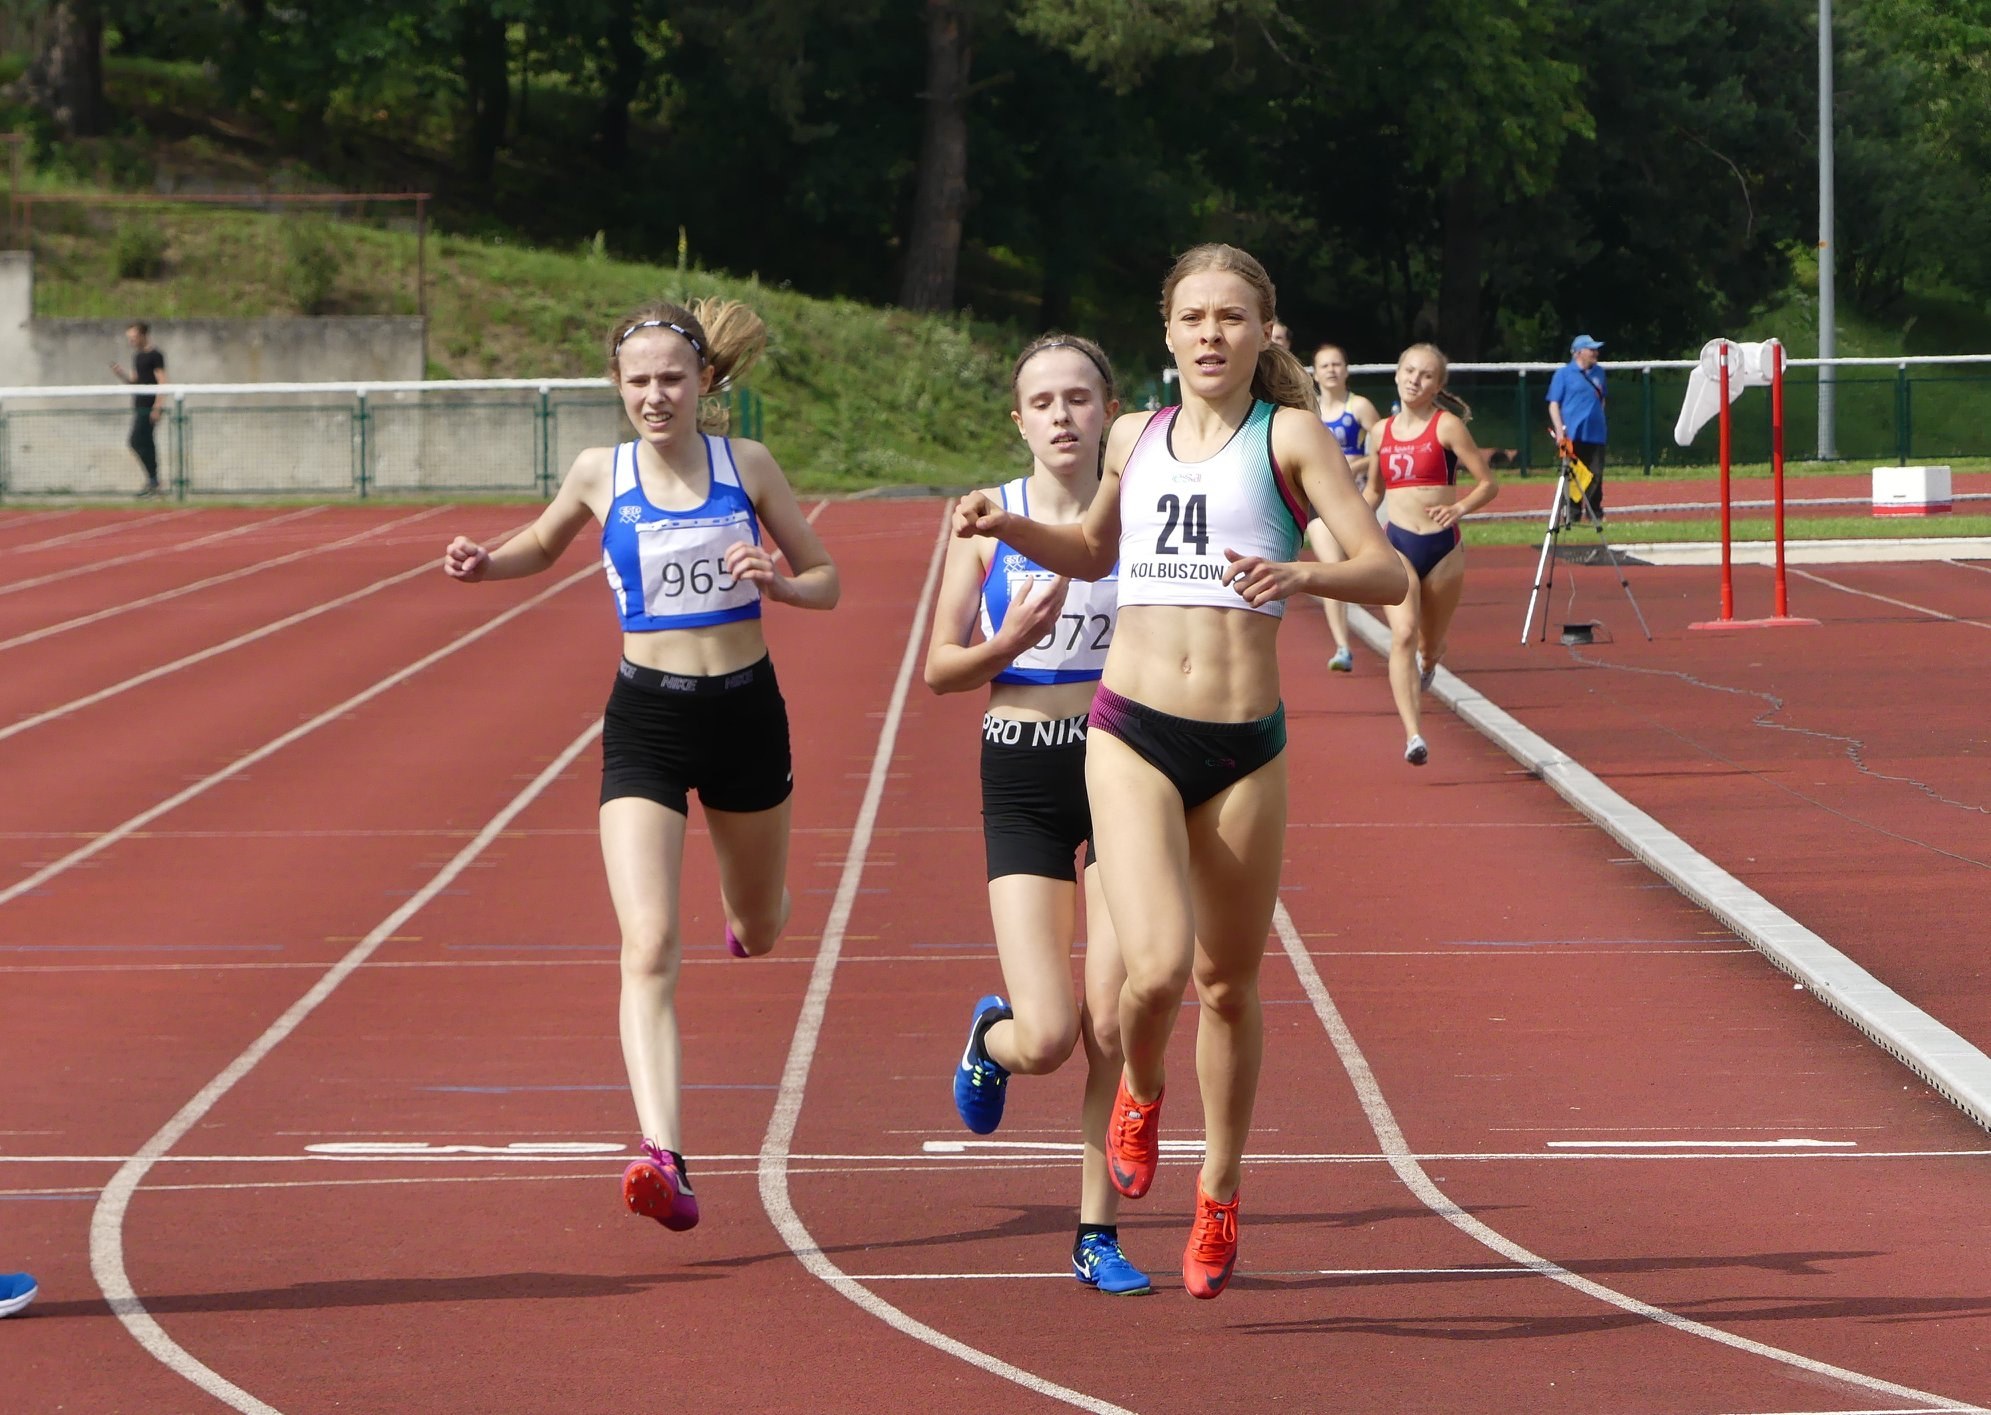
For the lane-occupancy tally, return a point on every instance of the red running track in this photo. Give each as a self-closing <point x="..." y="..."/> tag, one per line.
<point x="1534" y="1132"/>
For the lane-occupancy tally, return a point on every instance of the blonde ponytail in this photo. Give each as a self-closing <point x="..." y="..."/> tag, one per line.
<point x="727" y="336"/>
<point x="1281" y="378"/>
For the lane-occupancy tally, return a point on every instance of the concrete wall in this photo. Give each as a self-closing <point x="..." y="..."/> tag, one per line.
<point x="77" y="446"/>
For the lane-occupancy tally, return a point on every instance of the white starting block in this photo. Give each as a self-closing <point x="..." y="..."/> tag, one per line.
<point x="1911" y="491"/>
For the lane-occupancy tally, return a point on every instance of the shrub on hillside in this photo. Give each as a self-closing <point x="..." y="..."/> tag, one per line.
<point x="312" y="264"/>
<point x="138" y="251"/>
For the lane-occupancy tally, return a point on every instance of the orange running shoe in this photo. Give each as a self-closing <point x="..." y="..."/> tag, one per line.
<point x="1212" y="1250"/>
<point x="1133" y="1142"/>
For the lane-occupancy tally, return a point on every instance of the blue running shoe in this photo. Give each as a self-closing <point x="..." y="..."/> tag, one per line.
<point x="16" y="1291"/>
<point x="1098" y="1262"/>
<point x="980" y="1085"/>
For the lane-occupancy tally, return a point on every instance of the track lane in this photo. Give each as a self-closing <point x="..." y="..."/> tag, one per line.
<point x="441" y="1274"/>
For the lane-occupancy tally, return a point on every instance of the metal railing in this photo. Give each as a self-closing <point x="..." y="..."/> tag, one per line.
<point x="474" y="436"/>
<point x="1902" y="410"/>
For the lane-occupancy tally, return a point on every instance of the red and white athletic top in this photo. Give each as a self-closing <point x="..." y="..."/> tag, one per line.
<point x="1178" y="518"/>
<point x="1417" y="461"/>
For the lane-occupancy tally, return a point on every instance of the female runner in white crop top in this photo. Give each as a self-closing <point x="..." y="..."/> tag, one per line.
<point x="695" y="705"/>
<point x="1192" y="683"/>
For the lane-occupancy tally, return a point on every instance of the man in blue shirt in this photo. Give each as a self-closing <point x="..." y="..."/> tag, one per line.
<point x="1576" y="412"/>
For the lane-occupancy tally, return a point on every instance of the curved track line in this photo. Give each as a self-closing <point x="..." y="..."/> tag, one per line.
<point x="66" y="625"/>
<point x="115" y="526"/>
<point x="1397" y="1153"/>
<point x="181" y="547"/>
<point x="777" y="1147"/>
<point x="137" y="680"/>
<point x="1934" y="1052"/>
<point x="107" y="1219"/>
<point x="270" y="748"/>
<point x="1818" y="579"/>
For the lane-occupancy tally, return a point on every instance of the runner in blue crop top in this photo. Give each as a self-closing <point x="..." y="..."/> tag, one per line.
<point x="1349" y="416"/>
<point x="686" y="520"/>
<point x="1039" y="643"/>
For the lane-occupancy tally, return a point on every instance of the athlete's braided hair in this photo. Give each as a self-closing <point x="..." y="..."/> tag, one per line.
<point x="1077" y="343"/>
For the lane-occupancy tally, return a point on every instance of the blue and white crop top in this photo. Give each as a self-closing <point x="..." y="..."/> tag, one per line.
<point x="1347" y="430"/>
<point x="1075" y="649"/>
<point x="668" y="568"/>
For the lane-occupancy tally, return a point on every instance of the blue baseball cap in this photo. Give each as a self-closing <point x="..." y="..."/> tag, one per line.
<point x="1584" y="341"/>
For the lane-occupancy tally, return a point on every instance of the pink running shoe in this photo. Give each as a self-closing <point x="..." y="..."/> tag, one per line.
<point x="734" y="946"/>
<point x="655" y="1187"/>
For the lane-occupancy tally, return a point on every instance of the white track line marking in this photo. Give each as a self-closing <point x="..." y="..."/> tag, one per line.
<point x="775" y="1151"/>
<point x="276" y="744"/>
<point x="107" y="1220"/>
<point x="125" y="685"/>
<point x="616" y="1155"/>
<point x="1933" y="1051"/>
<point x="1381" y="1120"/>
<point x="178" y="548"/>
<point x="49" y="631"/>
<point x="74" y="536"/>
<point x="1818" y="579"/>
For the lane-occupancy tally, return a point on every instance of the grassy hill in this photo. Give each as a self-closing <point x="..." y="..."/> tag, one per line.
<point x="856" y="396"/>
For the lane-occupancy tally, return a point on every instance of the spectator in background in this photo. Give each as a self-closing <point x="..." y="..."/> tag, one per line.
<point x="1282" y="337"/>
<point x="148" y="366"/>
<point x="1576" y="412"/>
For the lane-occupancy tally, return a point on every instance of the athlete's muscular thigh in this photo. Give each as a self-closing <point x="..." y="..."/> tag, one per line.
<point x="1143" y="849"/>
<point x="1236" y="848"/>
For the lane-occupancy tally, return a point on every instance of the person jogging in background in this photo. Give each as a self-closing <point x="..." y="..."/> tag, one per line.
<point x="1348" y="416"/>
<point x="1203" y="507"/>
<point x="1038" y="642"/>
<point x="1576" y="401"/>
<point x="148" y="366"/>
<point x="695" y="705"/>
<point x="1419" y="450"/>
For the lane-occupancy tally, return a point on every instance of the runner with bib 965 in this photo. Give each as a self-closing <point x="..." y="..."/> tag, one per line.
<point x="695" y="705"/>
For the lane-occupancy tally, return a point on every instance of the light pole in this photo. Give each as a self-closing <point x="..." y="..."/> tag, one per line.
<point x="1828" y="337"/>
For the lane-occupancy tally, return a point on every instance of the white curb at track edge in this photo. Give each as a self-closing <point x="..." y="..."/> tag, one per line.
<point x="1935" y="1053"/>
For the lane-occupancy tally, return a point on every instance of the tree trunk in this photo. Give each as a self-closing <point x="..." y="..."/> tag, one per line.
<point x="1460" y="286"/>
<point x="65" y="80"/>
<point x="933" y="252"/>
<point x="486" y="91"/>
<point x="622" y="82"/>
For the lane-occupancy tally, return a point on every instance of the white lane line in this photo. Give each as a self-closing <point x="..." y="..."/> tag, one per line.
<point x="931" y="1164"/>
<point x="125" y="685"/>
<point x="177" y="548"/>
<point x="1789" y="1143"/>
<point x="107" y="1220"/>
<point x="1919" y="1041"/>
<point x="81" y="620"/>
<point x="1383" y="1122"/>
<point x="1818" y="579"/>
<point x="113" y="528"/>
<point x="18" y="520"/>
<point x="777" y="1145"/>
<point x="276" y="744"/>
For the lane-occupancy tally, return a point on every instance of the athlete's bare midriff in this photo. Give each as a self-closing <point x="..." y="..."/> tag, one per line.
<point x="1213" y="665"/>
<point x="1040" y="702"/>
<point x="1406" y="505"/>
<point x="705" y="652"/>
